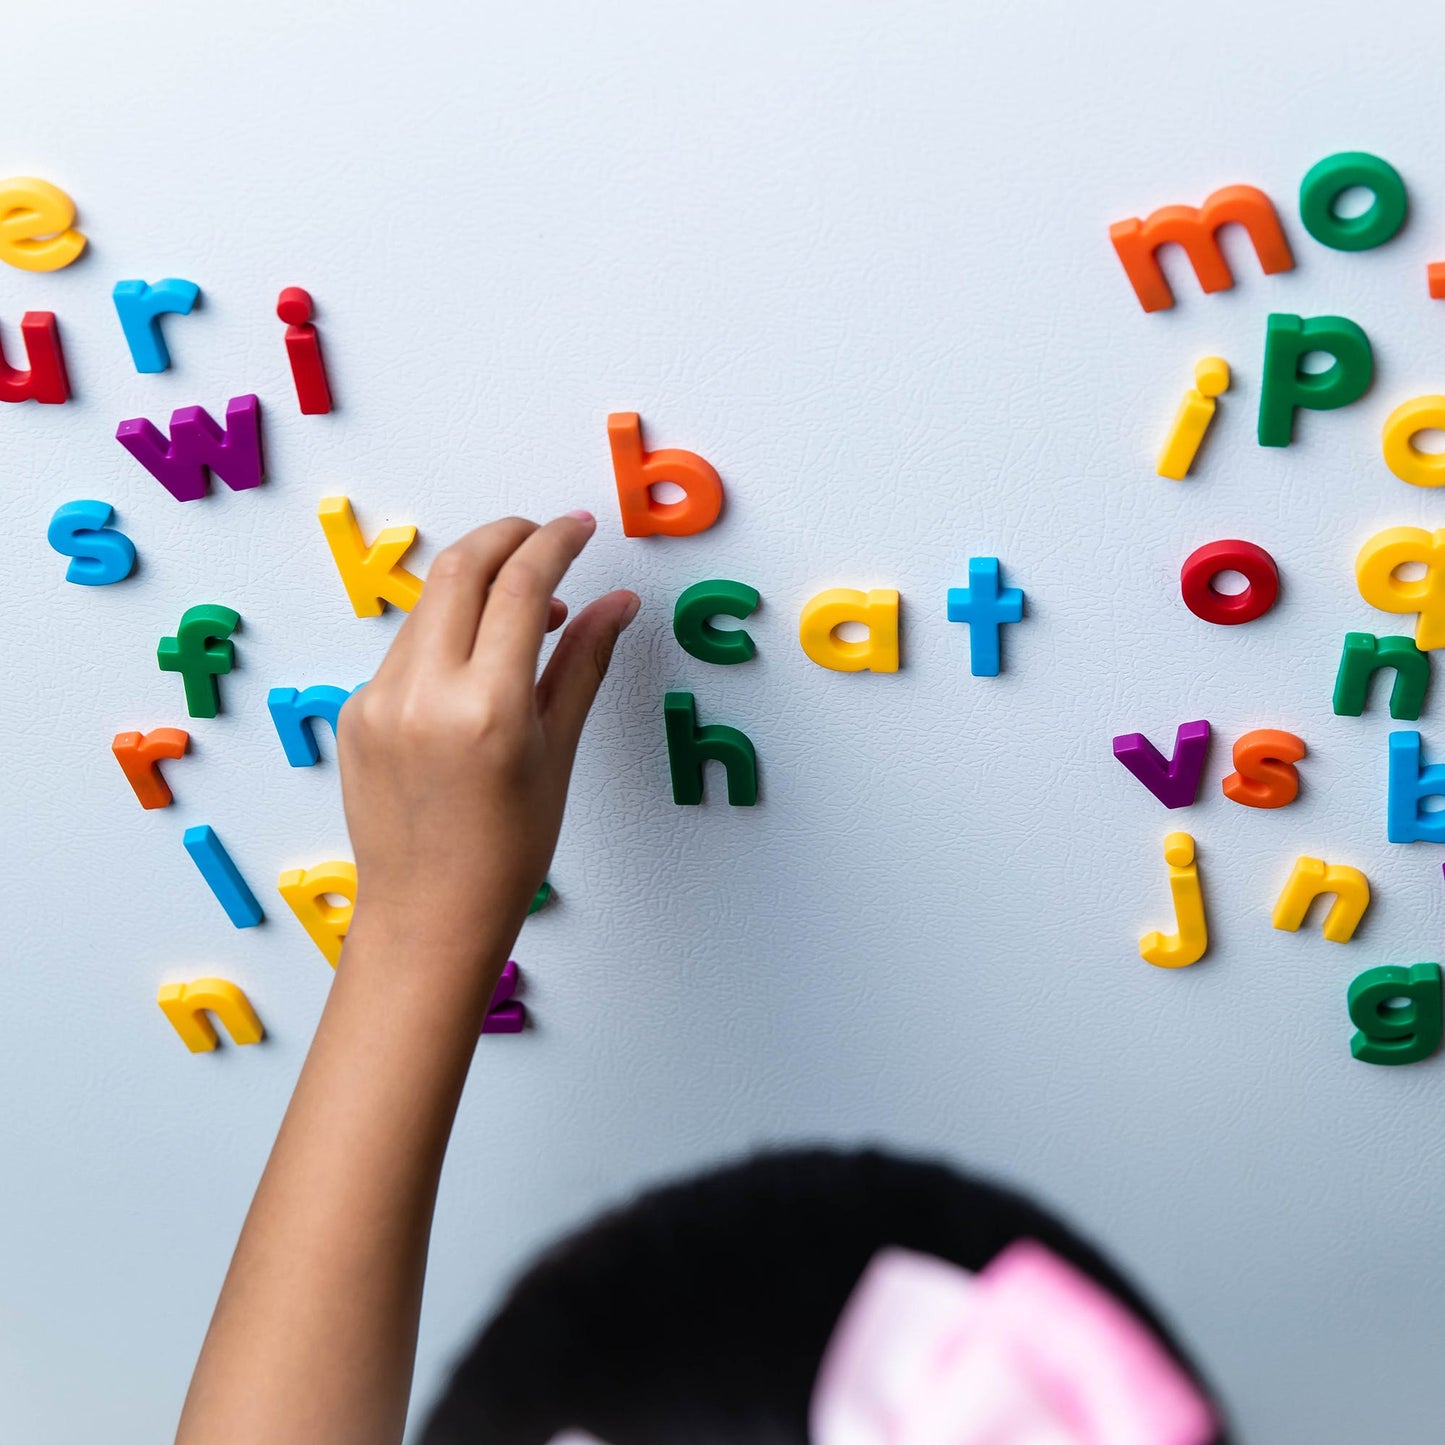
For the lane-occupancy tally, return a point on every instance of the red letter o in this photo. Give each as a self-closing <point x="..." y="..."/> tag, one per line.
<point x="1204" y="565"/>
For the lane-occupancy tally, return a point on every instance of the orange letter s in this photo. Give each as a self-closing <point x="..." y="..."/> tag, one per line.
<point x="1265" y="775"/>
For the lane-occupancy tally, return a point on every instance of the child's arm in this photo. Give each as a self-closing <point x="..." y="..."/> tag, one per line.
<point x="454" y="768"/>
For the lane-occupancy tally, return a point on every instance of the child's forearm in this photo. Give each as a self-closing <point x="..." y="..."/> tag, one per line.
<point x="315" y="1332"/>
<point x="454" y="763"/>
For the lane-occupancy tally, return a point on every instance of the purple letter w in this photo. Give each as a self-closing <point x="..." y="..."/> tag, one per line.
<point x="1175" y="783"/>
<point x="196" y="444"/>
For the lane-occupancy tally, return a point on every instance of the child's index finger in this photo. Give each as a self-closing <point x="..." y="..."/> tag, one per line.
<point x="518" y="605"/>
<point x="442" y="627"/>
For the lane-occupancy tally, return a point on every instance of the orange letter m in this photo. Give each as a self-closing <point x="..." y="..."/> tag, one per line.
<point x="1195" y="229"/>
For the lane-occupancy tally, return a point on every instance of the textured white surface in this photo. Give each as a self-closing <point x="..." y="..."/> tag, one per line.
<point x="856" y="255"/>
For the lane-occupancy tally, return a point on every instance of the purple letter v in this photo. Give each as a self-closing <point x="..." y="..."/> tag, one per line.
<point x="1175" y="783"/>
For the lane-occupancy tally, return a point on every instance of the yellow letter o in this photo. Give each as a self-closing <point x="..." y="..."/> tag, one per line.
<point x="1402" y="456"/>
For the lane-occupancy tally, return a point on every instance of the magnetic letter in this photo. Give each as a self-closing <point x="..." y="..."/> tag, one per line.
<point x="371" y="575"/>
<point x="690" y="746"/>
<point x="1391" y="1032"/>
<point x="1195" y="229"/>
<point x="1329" y="179"/>
<point x="1405" y="820"/>
<point x="1204" y="564"/>
<point x="505" y="1015"/>
<point x="187" y="1004"/>
<point x="303" y="351"/>
<point x="201" y="651"/>
<point x="984" y="607"/>
<point x="1188" y="945"/>
<point x="1191" y="421"/>
<point x="305" y="890"/>
<point x="876" y="610"/>
<point x="100" y="554"/>
<point x="1375" y="576"/>
<point x="1397" y="441"/>
<point x="46" y="380"/>
<point x="638" y="471"/>
<point x="138" y="755"/>
<point x="35" y="225"/>
<point x="1312" y="877"/>
<point x="1284" y="388"/>
<point x="140" y="308"/>
<point x="1364" y="655"/>
<point x="1175" y="783"/>
<point x="692" y="621"/>
<point x="199" y="448"/>
<point x="1265" y="775"/>
<point x="222" y="875"/>
<point x="293" y="712"/>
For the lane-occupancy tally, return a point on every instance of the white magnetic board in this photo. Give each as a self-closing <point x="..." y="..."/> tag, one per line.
<point x="857" y="256"/>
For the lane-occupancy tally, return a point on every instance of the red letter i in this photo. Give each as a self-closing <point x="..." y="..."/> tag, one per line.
<point x="303" y="351"/>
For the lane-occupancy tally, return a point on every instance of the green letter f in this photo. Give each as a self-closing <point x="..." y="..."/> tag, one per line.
<point x="200" y="652"/>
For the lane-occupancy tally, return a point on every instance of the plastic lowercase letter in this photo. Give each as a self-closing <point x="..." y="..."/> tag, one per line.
<point x="138" y="755"/>
<point x="1411" y="781"/>
<point x="1397" y="1012"/>
<point x="1364" y="655"/>
<point x="45" y="380"/>
<point x="140" y="306"/>
<point x="984" y="606"/>
<point x="638" y="471"/>
<point x="1195" y="229"/>
<point x="1397" y="441"/>
<point x="305" y="890"/>
<point x="1312" y="877"/>
<point x="1191" y="421"/>
<point x="1285" y="387"/>
<point x="1229" y="609"/>
<point x="222" y="876"/>
<point x="201" y="651"/>
<point x="1265" y="775"/>
<point x="1174" y="782"/>
<point x="1189" y="943"/>
<point x="1327" y="180"/>
<point x="877" y="610"/>
<point x="198" y="449"/>
<point x="690" y="745"/>
<point x="505" y="1014"/>
<point x="36" y="233"/>
<point x="99" y="554"/>
<point x="295" y="714"/>
<point x="371" y="575"/>
<point x="187" y="1004"/>
<point x="303" y="351"/>
<point x="692" y="621"/>
<point x="1375" y="569"/>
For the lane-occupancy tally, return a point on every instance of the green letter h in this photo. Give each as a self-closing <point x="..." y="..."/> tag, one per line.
<point x="690" y="746"/>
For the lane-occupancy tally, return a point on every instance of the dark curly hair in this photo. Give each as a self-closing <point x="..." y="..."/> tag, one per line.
<point x="698" y="1315"/>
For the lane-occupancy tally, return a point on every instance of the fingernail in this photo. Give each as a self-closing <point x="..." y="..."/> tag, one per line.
<point x="582" y="516"/>
<point x="630" y="611"/>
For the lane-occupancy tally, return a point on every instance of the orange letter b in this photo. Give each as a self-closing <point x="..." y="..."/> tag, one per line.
<point x="638" y="471"/>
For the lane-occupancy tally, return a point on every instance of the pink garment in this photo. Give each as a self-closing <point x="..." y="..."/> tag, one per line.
<point x="1029" y="1352"/>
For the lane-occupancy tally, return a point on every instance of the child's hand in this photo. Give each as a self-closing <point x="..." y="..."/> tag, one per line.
<point x="455" y="757"/>
<point x="454" y="767"/>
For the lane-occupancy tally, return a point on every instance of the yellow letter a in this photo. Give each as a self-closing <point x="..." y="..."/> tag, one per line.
<point x="876" y="610"/>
